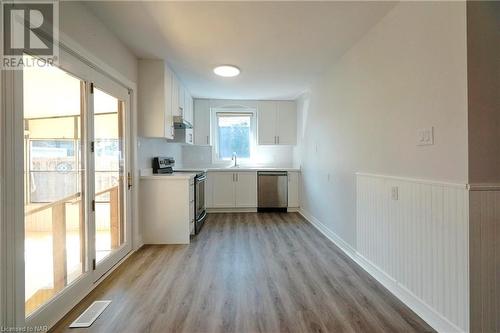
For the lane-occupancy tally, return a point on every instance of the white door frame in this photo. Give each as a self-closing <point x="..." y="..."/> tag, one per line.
<point x="12" y="232"/>
<point x="12" y="206"/>
<point x="105" y="84"/>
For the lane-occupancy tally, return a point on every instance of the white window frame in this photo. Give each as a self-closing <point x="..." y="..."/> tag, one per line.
<point x="215" y="131"/>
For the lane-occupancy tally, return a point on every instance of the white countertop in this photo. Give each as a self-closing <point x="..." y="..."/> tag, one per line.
<point x="185" y="174"/>
<point x="241" y="168"/>
<point x="148" y="174"/>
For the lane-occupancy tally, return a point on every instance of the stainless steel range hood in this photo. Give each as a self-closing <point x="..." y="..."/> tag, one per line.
<point x="180" y="123"/>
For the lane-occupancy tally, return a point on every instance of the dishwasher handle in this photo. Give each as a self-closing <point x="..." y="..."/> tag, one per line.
<point x="272" y="173"/>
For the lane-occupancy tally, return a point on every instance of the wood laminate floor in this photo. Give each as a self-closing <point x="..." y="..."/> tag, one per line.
<point x="246" y="272"/>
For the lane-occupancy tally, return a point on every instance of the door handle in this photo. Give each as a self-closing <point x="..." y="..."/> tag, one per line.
<point x="129" y="180"/>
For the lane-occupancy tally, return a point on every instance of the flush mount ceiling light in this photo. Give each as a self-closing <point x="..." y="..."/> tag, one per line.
<point x="227" y="70"/>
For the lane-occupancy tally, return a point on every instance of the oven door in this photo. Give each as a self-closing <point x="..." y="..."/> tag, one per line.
<point x="200" y="197"/>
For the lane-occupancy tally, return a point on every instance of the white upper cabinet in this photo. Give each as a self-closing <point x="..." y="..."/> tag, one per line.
<point x="201" y="123"/>
<point x="175" y="96"/>
<point x="155" y="116"/>
<point x="188" y="107"/>
<point x="286" y="123"/>
<point x="182" y="97"/>
<point x="277" y="123"/>
<point x="266" y="129"/>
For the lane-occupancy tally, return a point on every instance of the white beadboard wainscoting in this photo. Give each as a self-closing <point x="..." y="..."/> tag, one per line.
<point x="416" y="245"/>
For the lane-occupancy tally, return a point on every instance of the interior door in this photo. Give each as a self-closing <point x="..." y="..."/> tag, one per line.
<point x="111" y="219"/>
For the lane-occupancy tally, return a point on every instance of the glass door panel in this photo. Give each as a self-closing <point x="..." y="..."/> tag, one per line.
<point x="109" y="174"/>
<point x="55" y="247"/>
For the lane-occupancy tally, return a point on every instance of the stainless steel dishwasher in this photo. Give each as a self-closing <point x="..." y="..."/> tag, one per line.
<point x="272" y="190"/>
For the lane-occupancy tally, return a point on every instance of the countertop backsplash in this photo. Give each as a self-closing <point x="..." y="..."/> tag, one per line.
<point x="194" y="156"/>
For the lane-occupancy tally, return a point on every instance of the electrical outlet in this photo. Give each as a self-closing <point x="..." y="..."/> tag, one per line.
<point x="425" y="136"/>
<point x="395" y="193"/>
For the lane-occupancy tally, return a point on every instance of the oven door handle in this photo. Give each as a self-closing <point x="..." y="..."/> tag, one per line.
<point x="202" y="216"/>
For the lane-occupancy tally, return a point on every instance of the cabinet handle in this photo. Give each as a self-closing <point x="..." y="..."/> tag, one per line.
<point x="278" y="139"/>
<point x="208" y="141"/>
<point x="237" y="177"/>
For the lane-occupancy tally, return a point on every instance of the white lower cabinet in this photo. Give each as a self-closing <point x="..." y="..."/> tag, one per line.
<point x="293" y="189"/>
<point x="166" y="221"/>
<point x="232" y="189"/>
<point x="222" y="189"/>
<point x="245" y="189"/>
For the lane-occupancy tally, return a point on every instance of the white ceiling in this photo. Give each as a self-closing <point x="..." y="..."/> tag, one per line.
<point x="280" y="47"/>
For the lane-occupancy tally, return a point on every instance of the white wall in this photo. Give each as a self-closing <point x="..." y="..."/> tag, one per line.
<point x="79" y="24"/>
<point x="407" y="72"/>
<point x="149" y="148"/>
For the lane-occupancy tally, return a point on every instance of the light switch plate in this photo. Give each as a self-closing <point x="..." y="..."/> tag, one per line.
<point x="425" y="136"/>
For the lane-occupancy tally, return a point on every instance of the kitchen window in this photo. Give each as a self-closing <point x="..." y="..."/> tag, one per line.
<point x="234" y="133"/>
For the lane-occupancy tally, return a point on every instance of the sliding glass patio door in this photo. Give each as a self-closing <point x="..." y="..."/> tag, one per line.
<point x="76" y="202"/>
<point x="109" y="166"/>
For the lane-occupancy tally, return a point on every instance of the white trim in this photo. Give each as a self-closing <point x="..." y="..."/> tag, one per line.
<point x="232" y="109"/>
<point x="12" y="206"/>
<point x="484" y="187"/>
<point x="425" y="312"/>
<point x="413" y="180"/>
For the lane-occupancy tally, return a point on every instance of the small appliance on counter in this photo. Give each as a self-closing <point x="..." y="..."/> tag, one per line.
<point x="164" y="165"/>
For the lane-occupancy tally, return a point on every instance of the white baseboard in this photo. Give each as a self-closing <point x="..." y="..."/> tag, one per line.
<point x="424" y="311"/>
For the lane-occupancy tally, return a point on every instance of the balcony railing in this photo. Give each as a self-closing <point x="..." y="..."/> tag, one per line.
<point x="55" y="216"/>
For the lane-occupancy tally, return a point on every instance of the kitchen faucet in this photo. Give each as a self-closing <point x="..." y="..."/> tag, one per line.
<point x="235" y="159"/>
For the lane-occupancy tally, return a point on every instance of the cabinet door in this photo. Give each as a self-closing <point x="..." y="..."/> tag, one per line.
<point x="287" y="123"/>
<point x="169" y="117"/>
<point x="293" y="189"/>
<point x="246" y="189"/>
<point x="267" y="115"/>
<point x="223" y="189"/>
<point x="188" y="107"/>
<point x="201" y="122"/>
<point x="151" y="98"/>
<point x="189" y="136"/>
<point x="175" y="96"/>
<point x="182" y="97"/>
